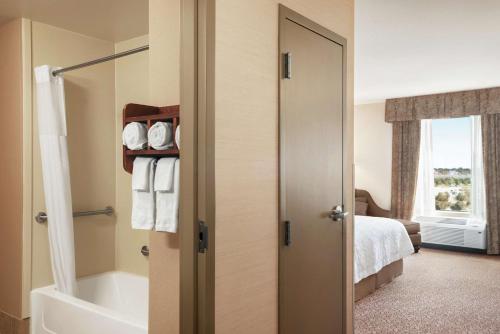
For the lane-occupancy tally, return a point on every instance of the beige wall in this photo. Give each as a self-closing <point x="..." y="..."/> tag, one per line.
<point x="27" y="164"/>
<point x="131" y="86"/>
<point x="373" y="152"/>
<point x="91" y="125"/>
<point x="11" y="179"/>
<point x="164" y="83"/>
<point x="246" y="111"/>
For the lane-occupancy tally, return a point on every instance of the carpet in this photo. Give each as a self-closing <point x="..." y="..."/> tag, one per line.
<point x="439" y="292"/>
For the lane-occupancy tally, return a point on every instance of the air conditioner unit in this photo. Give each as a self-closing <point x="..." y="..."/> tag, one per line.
<point x="459" y="232"/>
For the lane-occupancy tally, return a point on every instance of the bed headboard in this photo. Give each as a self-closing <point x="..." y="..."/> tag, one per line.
<point x="373" y="209"/>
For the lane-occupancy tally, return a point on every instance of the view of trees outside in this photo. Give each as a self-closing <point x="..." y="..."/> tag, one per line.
<point x="452" y="159"/>
<point x="452" y="188"/>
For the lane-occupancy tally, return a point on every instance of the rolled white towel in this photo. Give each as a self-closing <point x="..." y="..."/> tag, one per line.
<point x="178" y="136"/>
<point x="135" y="136"/>
<point x="160" y="136"/>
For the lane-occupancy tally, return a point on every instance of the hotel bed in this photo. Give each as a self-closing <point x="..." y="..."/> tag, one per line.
<point x="379" y="248"/>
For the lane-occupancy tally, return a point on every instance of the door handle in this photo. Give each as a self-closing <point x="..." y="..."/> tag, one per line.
<point x="337" y="213"/>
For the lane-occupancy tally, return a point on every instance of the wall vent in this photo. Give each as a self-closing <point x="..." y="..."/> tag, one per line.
<point x="443" y="235"/>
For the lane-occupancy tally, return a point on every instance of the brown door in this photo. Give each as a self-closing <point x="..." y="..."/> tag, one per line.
<point x="311" y="168"/>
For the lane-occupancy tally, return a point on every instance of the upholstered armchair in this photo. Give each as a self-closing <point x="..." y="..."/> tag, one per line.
<point x="366" y="206"/>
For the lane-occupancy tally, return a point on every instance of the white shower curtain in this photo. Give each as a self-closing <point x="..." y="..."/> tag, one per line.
<point x="56" y="179"/>
<point x="478" y="194"/>
<point x="424" y="198"/>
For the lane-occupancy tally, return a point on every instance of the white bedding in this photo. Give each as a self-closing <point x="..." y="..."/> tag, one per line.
<point x="377" y="243"/>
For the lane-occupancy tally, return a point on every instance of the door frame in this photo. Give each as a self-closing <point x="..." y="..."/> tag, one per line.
<point x="285" y="14"/>
<point x="206" y="163"/>
<point x="188" y="293"/>
<point x="198" y="96"/>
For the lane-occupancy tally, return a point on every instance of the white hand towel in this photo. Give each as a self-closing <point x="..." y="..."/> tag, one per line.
<point x="178" y="137"/>
<point x="167" y="205"/>
<point x="164" y="175"/>
<point x="143" y="200"/>
<point x="140" y="175"/>
<point x="135" y="136"/>
<point x="160" y="135"/>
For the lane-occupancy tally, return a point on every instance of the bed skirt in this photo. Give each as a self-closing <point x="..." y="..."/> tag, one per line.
<point x="371" y="283"/>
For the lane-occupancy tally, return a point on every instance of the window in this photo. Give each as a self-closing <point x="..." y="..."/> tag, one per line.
<point x="452" y="159"/>
<point x="450" y="171"/>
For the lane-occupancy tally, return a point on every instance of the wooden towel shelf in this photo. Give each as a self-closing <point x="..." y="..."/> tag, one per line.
<point x="149" y="115"/>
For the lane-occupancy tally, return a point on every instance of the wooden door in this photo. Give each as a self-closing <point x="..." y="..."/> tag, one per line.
<point x="311" y="177"/>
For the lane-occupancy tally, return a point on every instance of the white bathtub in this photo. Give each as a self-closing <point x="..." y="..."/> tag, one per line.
<point x="113" y="302"/>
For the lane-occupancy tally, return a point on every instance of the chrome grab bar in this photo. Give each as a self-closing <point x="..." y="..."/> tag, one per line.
<point x="41" y="217"/>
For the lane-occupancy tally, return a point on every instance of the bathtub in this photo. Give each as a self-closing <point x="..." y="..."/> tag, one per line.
<point x="112" y="302"/>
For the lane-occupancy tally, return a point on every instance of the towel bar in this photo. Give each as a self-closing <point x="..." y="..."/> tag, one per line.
<point x="41" y="217"/>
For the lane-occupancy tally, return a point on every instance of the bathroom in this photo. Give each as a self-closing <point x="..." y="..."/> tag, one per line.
<point x="107" y="248"/>
<point x="218" y="61"/>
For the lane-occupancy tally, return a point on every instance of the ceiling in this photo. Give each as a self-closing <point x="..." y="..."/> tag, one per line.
<point x="415" y="47"/>
<point x="113" y="20"/>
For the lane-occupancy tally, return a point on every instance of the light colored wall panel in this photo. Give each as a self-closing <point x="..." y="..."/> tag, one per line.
<point x="132" y="86"/>
<point x="27" y="164"/>
<point x="90" y="108"/>
<point x="373" y="152"/>
<point x="11" y="177"/>
<point x="246" y="156"/>
<point x="164" y="82"/>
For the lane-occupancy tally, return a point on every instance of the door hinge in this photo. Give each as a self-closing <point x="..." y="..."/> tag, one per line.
<point x="288" y="232"/>
<point x="202" y="237"/>
<point x="287" y="65"/>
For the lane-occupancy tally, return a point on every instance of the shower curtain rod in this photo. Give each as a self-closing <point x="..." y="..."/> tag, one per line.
<point x="101" y="60"/>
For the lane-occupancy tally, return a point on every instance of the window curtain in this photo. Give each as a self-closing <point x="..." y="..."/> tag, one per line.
<point x="56" y="179"/>
<point x="446" y="105"/>
<point x="478" y="195"/>
<point x="491" y="156"/>
<point x="484" y="102"/>
<point x="424" y="198"/>
<point x="405" y="156"/>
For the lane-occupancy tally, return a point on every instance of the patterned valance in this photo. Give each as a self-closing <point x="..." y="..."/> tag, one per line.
<point x="448" y="105"/>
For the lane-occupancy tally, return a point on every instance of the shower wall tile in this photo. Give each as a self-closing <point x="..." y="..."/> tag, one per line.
<point x="90" y="117"/>
<point x="131" y="85"/>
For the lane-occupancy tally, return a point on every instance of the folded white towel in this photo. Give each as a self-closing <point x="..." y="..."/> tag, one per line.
<point x="167" y="205"/>
<point x="178" y="137"/>
<point x="160" y="136"/>
<point x="164" y="175"/>
<point x="135" y="136"/>
<point x="143" y="198"/>
<point x="140" y="175"/>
